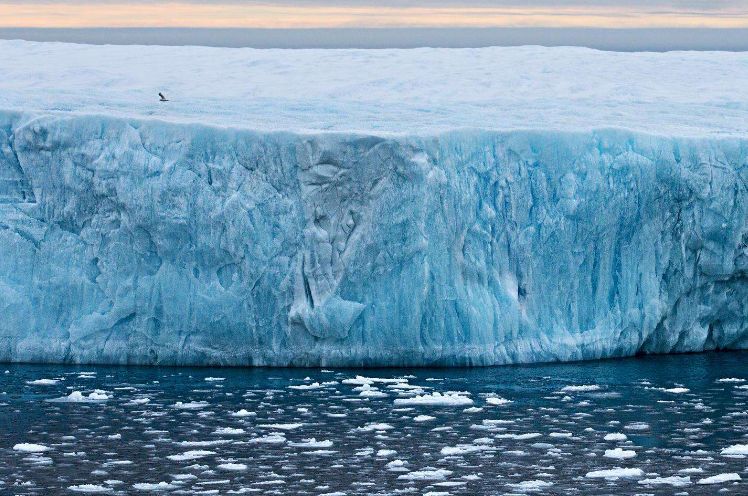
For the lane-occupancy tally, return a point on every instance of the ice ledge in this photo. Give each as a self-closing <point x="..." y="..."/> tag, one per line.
<point x="137" y="241"/>
<point x="417" y="91"/>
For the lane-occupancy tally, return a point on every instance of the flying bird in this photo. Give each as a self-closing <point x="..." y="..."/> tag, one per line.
<point x="163" y="98"/>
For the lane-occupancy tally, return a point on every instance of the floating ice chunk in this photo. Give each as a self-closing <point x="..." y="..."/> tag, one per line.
<point x="619" y="453"/>
<point x="674" y="480"/>
<point x="138" y="401"/>
<point x="314" y="385"/>
<point x="736" y="450"/>
<point x="215" y="379"/>
<point x="243" y="413"/>
<point x="423" y="418"/>
<point x="615" y="436"/>
<point x="427" y="474"/>
<point x="312" y="443"/>
<point x="373" y="393"/>
<point x="78" y="397"/>
<point x="720" y="478"/>
<point x="31" y="448"/>
<point x="561" y="435"/>
<point x="282" y="427"/>
<point x="114" y="436"/>
<point x="383" y="453"/>
<point x="361" y="380"/>
<point x="320" y="452"/>
<point x="580" y="389"/>
<point x="159" y="486"/>
<point x="615" y="473"/>
<point x="731" y="379"/>
<point x="436" y="399"/>
<point x="233" y="467"/>
<point x="531" y="485"/>
<point x="463" y="449"/>
<point x="497" y="401"/>
<point x="229" y="431"/>
<point x="191" y="455"/>
<point x="693" y="470"/>
<point x="375" y="426"/>
<point x="43" y="382"/>
<point x="277" y="438"/>
<point x="90" y="489"/>
<point x="677" y="390"/>
<point x="519" y="437"/>
<point x="202" y="444"/>
<point x="637" y="426"/>
<point x="190" y="405"/>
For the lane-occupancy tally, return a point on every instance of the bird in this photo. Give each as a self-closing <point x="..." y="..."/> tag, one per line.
<point x="162" y="97"/>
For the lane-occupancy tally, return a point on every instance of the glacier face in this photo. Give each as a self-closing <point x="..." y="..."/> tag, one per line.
<point x="138" y="241"/>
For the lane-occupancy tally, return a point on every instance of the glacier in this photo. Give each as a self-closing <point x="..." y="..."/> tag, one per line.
<point x="130" y="238"/>
<point x="127" y="241"/>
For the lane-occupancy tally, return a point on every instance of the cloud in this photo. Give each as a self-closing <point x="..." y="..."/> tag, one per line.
<point x="371" y="13"/>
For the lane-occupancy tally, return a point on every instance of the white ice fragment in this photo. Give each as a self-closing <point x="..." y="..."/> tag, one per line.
<point x="615" y="436"/>
<point x="736" y="450"/>
<point x="243" y="413"/>
<point x="190" y="405"/>
<point x="314" y="385"/>
<point x="531" y="485"/>
<point x="615" y="473"/>
<point x="191" y="455"/>
<point x="427" y="474"/>
<point x="436" y="399"/>
<point x="31" y="448"/>
<point x="423" y="418"/>
<point x="90" y="489"/>
<point x="43" y="382"/>
<point x="159" y="486"/>
<point x="282" y="427"/>
<point x="233" y="467"/>
<point x="375" y="426"/>
<point x="619" y="453"/>
<point x="720" y="478"/>
<point x="229" y="431"/>
<point x="674" y="480"/>
<point x="580" y="389"/>
<point x="312" y="443"/>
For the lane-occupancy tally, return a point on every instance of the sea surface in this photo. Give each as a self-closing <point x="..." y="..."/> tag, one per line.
<point x="651" y="425"/>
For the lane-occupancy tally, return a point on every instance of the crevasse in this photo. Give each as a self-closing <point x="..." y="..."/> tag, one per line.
<point x="138" y="241"/>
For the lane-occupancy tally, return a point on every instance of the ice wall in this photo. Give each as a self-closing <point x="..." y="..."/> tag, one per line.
<point x="126" y="241"/>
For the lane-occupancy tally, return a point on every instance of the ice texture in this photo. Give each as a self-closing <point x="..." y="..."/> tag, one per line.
<point x="129" y="239"/>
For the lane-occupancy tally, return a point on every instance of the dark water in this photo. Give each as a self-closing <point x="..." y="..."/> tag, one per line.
<point x="617" y="39"/>
<point x="548" y="439"/>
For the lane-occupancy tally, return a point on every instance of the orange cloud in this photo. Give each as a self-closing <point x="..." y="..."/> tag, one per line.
<point x="178" y="14"/>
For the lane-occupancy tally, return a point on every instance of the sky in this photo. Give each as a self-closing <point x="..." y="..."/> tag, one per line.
<point x="375" y="13"/>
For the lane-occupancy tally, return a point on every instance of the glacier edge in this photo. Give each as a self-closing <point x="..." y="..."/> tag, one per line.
<point x="137" y="241"/>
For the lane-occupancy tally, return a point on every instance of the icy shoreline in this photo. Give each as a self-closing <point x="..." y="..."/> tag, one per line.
<point x="138" y="241"/>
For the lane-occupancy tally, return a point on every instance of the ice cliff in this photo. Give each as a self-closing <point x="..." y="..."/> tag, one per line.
<point x="132" y="241"/>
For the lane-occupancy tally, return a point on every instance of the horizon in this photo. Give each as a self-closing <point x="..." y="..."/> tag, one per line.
<point x="607" y="39"/>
